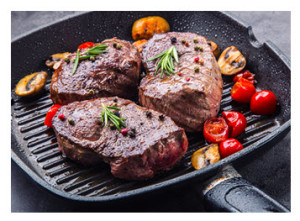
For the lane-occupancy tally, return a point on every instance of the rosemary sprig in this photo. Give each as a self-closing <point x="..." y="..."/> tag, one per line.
<point x="88" y="54"/>
<point x="107" y="114"/>
<point x="166" y="62"/>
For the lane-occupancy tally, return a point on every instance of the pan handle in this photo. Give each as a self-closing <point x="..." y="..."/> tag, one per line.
<point x="229" y="192"/>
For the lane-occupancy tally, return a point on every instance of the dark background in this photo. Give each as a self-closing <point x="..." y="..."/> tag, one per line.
<point x="269" y="170"/>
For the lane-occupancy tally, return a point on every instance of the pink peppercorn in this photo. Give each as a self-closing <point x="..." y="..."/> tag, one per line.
<point x="187" y="79"/>
<point x="61" y="116"/>
<point x="196" y="59"/>
<point x="124" y="131"/>
<point x="179" y="74"/>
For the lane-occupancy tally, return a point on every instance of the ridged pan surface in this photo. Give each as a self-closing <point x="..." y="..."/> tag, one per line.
<point x="34" y="146"/>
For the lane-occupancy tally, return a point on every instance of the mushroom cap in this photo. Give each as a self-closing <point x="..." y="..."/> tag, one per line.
<point x="31" y="84"/>
<point x="231" y="61"/>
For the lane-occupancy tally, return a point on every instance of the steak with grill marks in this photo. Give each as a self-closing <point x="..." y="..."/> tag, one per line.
<point x="153" y="144"/>
<point x="114" y="73"/>
<point x="194" y="95"/>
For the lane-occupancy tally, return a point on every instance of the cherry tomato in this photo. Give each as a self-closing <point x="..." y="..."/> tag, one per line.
<point x="86" y="45"/>
<point x="229" y="146"/>
<point x="244" y="74"/>
<point x="215" y="130"/>
<point x="242" y="91"/>
<point x="263" y="103"/>
<point x="50" y="114"/>
<point x="236" y="122"/>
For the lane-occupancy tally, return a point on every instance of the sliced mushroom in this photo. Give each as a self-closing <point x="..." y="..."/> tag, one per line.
<point x="205" y="156"/>
<point x="215" y="49"/>
<point x="231" y="61"/>
<point x="56" y="59"/>
<point x="31" y="84"/>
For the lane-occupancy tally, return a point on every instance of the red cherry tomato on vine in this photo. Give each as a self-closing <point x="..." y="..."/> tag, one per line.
<point x="215" y="130"/>
<point x="50" y="114"/>
<point x="236" y="122"/>
<point x="86" y="45"/>
<point x="263" y="103"/>
<point x="242" y="91"/>
<point x="244" y="74"/>
<point x="229" y="146"/>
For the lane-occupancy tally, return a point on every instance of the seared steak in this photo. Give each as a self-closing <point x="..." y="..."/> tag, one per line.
<point x="114" y="73"/>
<point x="191" y="96"/>
<point x="153" y="144"/>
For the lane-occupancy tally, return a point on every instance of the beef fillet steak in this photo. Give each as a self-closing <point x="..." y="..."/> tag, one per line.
<point x="154" y="142"/>
<point x="114" y="73"/>
<point x="193" y="94"/>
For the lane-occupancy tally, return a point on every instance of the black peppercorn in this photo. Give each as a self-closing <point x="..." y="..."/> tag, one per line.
<point x="183" y="41"/>
<point x="133" y="130"/>
<point x="117" y="113"/>
<point x="131" y="134"/>
<point x="161" y="117"/>
<point x="115" y="99"/>
<point x="114" y="44"/>
<point x="112" y="127"/>
<point x="148" y="114"/>
<point x="196" y="40"/>
<point x="71" y="121"/>
<point x="173" y="40"/>
<point x="196" y="69"/>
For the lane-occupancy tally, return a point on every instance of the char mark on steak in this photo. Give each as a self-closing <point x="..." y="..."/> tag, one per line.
<point x="114" y="73"/>
<point x="158" y="143"/>
<point x="194" y="93"/>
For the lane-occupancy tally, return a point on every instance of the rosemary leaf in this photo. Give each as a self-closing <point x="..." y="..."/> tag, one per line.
<point x="96" y="50"/>
<point x="114" y="108"/>
<point x="76" y="62"/>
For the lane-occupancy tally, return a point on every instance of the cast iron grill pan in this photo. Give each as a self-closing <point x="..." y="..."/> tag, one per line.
<point x="34" y="146"/>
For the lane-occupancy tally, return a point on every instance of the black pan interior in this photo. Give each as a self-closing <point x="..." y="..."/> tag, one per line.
<point x="34" y="146"/>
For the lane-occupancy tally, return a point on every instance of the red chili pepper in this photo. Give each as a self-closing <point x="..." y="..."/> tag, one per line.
<point x="263" y="103"/>
<point x="215" y="130"/>
<point x="179" y="74"/>
<point x="236" y="121"/>
<point x="50" y="114"/>
<point x="244" y="74"/>
<point x="197" y="59"/>
<point x="124" y="131"/>
<point x="229" y="146"/>
<point x="61" y="116"/>
<point x="188" y="79"/>
<point x="186" y="44"/>
<point x="242" y="91"/>
<point x="86" y="45"/>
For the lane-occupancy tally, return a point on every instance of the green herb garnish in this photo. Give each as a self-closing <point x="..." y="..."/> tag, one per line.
<point x="76" y="62"/>
<point x="166" y="63"/>
<point x="88" y="54"/>
<point x="107" y="114"/>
